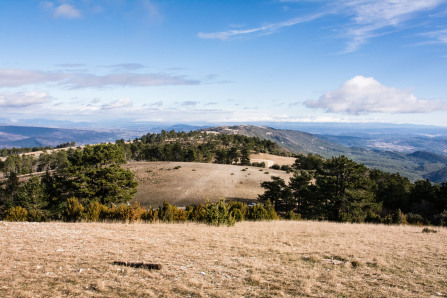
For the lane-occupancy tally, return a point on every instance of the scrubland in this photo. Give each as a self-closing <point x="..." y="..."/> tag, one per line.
<point x="278" y="258"/>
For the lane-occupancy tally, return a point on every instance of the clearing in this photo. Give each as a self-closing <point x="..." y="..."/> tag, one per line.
<point x="184" y="183"/>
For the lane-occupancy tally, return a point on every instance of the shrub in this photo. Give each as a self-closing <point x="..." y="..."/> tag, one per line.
<point x="275" y="167"/>
<point x="292" y="216"/>
<point x="415" y="219"/>
<point x="16" y="213"/>
<point x="372" y="217"/>
<point x="166" y="213"/>
<point x="399" y="218"/>
<point x="74" y="210"/>
<point x="428" y="230"/>
<point x="441" y="219"/>
<point x="259" y="212"/>
<point x="36" y="215"/>
<point x="218" y="214"/>
<point x="92" y="211"/>
<point x="237" y="214"/>
<point x="150" y="215"/>
<point x="136" y="212"/>
<point x="196" y="213"/>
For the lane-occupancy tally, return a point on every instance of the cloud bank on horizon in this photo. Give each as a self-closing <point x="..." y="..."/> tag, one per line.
<point x="232" y="61"/>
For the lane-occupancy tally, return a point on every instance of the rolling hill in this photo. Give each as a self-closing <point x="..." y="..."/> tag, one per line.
<point x="414" y="165"/>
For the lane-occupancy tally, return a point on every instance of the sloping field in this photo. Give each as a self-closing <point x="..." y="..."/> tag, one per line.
<point x="250" y="259"/>
<point x="183" y="183"/>
<point x="271" y="159"/>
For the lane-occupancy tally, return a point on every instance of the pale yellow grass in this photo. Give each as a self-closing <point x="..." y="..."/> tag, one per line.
<point x="271" y="159"/>
<point x="249" y="259"/>
<point x="197" y="182"/>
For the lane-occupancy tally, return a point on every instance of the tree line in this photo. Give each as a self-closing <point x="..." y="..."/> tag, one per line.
<point x="339" y="189"/>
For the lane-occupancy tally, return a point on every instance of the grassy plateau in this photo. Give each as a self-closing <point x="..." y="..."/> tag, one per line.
<point x="277" y="258"/>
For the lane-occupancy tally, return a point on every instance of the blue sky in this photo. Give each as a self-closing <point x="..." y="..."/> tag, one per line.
<point x="224" y="61"/>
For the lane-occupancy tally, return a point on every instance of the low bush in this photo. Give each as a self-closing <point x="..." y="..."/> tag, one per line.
<point x="16" y="213"/>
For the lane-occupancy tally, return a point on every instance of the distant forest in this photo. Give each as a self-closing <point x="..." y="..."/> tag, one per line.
<point x="336" y="189"/>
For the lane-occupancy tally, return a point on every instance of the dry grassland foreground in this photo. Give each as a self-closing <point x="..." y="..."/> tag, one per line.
<point x="250" y="259"/>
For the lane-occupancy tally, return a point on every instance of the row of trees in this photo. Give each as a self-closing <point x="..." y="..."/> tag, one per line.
<point x="339" y="189"/>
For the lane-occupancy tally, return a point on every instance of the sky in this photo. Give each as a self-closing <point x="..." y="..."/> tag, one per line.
<point x="224" y="61"/>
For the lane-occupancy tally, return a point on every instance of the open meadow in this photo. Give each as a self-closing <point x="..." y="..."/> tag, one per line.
<point x="277" y="258"/>
<point x="184" y="183"/>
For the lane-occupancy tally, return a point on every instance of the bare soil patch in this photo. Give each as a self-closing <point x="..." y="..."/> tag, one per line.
<point x="183" y="183"/>
<point x="265" y="259"/>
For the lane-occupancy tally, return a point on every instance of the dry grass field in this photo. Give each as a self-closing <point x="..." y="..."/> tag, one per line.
<point x="250" y="259"/>
<point x="271" y="159"/>
<point x="197" y="182"/>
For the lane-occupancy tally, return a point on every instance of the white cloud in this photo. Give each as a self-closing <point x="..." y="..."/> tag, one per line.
<point x="269" y="28"/>
<point x="371" y="17"/>
<point x="23" y="99"/>
<point x="67" y="11"/>
<point x="117" y="104"/>
<point x="440" y="36"/>
<point x="362" y="95"/>
<point x="126" y="79"/>
<point x="19" y="77"/>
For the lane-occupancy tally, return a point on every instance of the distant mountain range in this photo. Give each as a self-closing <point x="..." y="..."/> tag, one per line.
<point x="414" y="165"/>
<point x="26" y="136"/>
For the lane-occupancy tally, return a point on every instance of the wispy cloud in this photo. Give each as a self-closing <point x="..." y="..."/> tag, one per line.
<point x="266" y="29"/>
<point x="20" y="77"/>
<point x="371" y="18"/>
<point x="363" y="95"/>
<point x="120" y="103"/>
<point x="439" y="36"/>
<point x="23" y="99"/>
<point x="362" y="19"/>
<point x="189" y="103"/>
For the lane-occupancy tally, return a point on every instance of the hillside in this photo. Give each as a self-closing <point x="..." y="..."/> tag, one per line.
<point x="266" y="259"/>
<point x="29" y="136"/>
<point x="412" y="165"/>
<point x="437" y="176"/>
<point x="183" y="183"/>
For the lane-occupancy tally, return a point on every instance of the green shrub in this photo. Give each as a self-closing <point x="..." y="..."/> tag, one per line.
<point x="16" y="213"/>
<point x="399" y="218"/>
<point x="441" y="219"/>
<point x="92" y="211"/>
<point x="237" y="214"/>
<point x="218" y="214"/>
<point x="36" y="215"/>
<point x="275" y="167"/>
<point x="261" y="212"/>
<point x="150" y="215"/>
<point x="74" y="210"/>
<point x="292" y="216"/>
<point x="166" y="212"/>
<point x="415" y="219"/>
<point x="196" y="213"/>
<point x="372" y="217"/>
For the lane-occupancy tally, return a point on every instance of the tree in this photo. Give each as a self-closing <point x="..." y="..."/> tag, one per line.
<point x="278" y="193"/>
<point x="299" y="185"/>
<point x="346" y="187"/>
